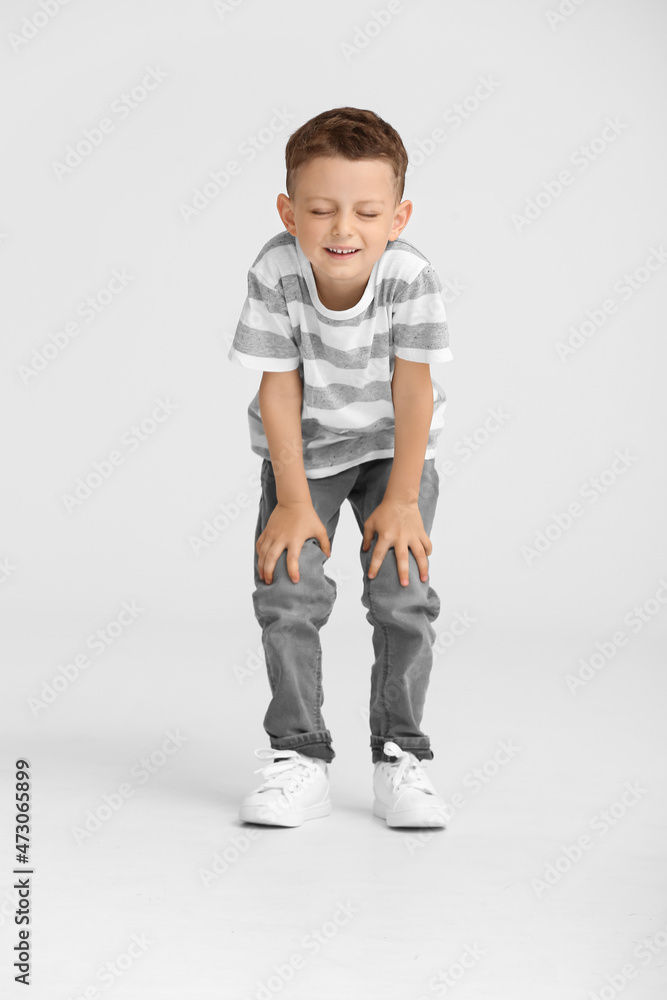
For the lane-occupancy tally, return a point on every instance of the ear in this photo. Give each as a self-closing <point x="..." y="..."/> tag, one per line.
<point x="286" y="213"/>
<point x="401" y="219"/>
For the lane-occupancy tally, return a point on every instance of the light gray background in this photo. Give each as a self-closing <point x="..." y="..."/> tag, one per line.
<point x="189" y="661"/>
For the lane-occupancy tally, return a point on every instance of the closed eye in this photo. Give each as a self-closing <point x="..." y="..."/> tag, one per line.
<point x="364" y="215"/>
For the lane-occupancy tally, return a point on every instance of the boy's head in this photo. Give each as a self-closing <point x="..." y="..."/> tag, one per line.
<point x="345" y="180"/>
<point x="349" y="132"/>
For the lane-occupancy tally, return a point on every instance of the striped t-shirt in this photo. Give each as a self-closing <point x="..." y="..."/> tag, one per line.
<point x="345" y="357"/>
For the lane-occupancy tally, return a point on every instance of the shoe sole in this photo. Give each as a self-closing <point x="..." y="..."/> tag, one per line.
<point x="264" y="816"/>
<point x="410" y="817"/>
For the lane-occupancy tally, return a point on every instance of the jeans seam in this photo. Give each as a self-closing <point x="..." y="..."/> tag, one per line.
<point x="382" y="681"/>
<point x="318" y="690"/>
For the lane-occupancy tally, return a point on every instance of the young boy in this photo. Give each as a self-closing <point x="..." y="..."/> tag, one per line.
<point x="343" y="319"/>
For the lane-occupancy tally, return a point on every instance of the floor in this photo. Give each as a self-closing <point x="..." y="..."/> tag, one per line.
<point x="548" y="882"/>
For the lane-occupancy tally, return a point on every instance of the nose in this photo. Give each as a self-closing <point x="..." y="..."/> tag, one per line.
<point x="342" y="224"/>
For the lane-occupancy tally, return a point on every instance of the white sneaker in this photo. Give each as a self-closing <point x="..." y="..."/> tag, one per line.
<point x="294" y="790"/>
<point x="404" y="795"/>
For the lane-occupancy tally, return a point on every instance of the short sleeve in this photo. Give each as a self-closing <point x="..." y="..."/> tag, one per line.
<point x="419" y="324"/>
<point x="264" y="337"/>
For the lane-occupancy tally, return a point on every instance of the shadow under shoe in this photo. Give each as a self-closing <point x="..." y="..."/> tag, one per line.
<point x="295" y="788"/>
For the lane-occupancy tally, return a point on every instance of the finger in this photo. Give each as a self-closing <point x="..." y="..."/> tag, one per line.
<point x="422" y="562"/>
<point x="268" y="569"/>
<point x="419" y="552"/>
<point x="403" y="563"/>
<point x="293" y="563"/>
<point x="260" y="560"/>
<point x="271" y="557"/>
<point x="263" y="547"/>
<point x="369" y="534"/>
<point x="378" y="555"/>
<point x="325" y="544"/>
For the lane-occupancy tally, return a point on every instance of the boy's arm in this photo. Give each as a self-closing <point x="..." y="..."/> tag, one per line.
<point x="412" y="395"/>
<point x="420" y="336"/>
<point x="294" y="518"/>
<point x="397" y="520"/>
<point x="280" y="401"/>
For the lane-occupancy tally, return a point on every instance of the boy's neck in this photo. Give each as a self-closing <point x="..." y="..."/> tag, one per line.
<point x="334" y="296"/>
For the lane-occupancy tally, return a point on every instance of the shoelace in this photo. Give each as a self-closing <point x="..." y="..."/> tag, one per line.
<point x="408" y="770"/>
<point x="284" y="773"/>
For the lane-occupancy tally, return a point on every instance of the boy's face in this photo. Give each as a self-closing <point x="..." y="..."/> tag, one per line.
<point x="347" y="204"/>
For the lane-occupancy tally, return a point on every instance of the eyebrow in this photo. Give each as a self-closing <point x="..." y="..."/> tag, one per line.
<point x="367" y="201"/>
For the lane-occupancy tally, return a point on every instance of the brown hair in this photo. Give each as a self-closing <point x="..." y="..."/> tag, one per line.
<point x="351" y="132"/>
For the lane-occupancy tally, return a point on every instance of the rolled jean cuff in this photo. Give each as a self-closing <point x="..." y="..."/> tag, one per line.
<point x="418" y="745"/>
<point x="315" y="744"/>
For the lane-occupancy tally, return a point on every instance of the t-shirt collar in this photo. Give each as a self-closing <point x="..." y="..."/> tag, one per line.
<point x="309" y="277"/>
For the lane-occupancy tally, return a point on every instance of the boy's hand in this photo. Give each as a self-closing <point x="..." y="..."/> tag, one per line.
<point x="399" y="525"/>
<point x="288" y="528"/>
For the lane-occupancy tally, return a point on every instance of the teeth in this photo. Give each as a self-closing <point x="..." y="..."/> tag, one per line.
<point x="333" y="250"/>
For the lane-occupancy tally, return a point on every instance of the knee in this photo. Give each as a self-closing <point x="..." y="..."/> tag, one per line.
<point x="397" y="604"/>
<point x="311" y="598"/>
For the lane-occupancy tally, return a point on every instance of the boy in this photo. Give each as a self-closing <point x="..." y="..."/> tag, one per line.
<point x="343" y="318"/>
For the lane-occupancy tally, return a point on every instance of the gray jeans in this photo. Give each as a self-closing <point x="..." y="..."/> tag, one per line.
<point x="291" y="615"/>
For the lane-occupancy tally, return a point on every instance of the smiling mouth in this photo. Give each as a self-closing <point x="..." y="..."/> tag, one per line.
<point x="341" y="253"/>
